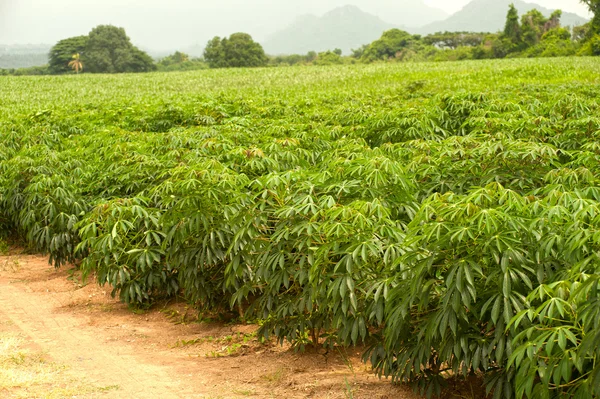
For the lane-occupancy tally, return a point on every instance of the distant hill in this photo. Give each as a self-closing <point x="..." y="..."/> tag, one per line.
<point x="490" y="16"/>
<point x="345" y="28"/>
<point x="14" y="61"/>
<point x="23" y="55"/>
<point x="24" y="48"/>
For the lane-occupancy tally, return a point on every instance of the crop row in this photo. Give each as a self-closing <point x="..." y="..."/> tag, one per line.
<point x="453" y="232"/>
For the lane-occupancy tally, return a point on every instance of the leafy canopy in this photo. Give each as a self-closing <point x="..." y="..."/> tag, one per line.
<point x="62" y="53"/>
<point x="239" y="50"/>
<point x="109" y="50"/>
<point x="389" y="45"/>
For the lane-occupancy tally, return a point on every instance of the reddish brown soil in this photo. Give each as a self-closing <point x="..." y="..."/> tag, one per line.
<point x="164" y="352"/>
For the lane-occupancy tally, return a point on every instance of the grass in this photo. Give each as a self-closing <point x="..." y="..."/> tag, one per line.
<point x="26" y="373"/>
<point x="244" y="392"/>
<point x="4" y="247"/>
<point x="275" y="377"/>
<point x="10" y="264"/>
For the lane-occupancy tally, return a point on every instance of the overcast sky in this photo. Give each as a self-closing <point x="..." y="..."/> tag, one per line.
<point x="565" y="5"/>
<point x="169" y="24"/>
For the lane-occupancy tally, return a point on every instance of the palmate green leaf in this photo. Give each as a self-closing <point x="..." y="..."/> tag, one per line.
<point x="478" y="210"/>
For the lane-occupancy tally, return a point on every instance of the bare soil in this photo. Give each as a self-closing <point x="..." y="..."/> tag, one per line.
<point x="164" y="352"/>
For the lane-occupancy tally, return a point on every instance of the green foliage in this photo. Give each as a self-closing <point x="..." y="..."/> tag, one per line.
<point x="463" y="53"/>
<point x="453" y="40"/>
<point x="554" y="43"/>
<point x="127" y="232"/>
<point x="109" y="50"/>
<point x="62" y="53"/>
<point x="358" y="53"/>
<point x="175" y="58"/>
<point x="293" y="59"/>
<point x="581" y="33"/>
<point x="180" y="62"/>
<point x="4" y="247"/>
<point x="512" y="28"/>
<point x="323" y="58"/>
<point x="391" y="44"/>
<point x="311" y="56"/>
<point x="328" y="58"/>
<point x="594" y="45"/>
<point x="534" y="26"/>
<point x="594" y="6"/>
<point x="446" y="215"/>
<point x="239" y="50"/>
<point x="29" y="71"/>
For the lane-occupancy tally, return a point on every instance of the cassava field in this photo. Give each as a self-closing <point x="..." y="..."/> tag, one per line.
<point x="445" y="215"/>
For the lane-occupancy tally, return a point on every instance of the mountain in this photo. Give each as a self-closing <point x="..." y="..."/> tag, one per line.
<point x="490" y="16"/>
<point x="345" y="28"/>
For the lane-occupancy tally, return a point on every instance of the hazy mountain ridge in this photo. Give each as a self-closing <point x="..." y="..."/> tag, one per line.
<point x="15" y="61"/>
<point x="490" y="16"/>
<point x="24" y="48"/>
<point x="345" y="28"/>
<point x="23" y="55"/>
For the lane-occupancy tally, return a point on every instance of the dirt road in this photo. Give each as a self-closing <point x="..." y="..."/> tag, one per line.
<point x="165" y="352"/>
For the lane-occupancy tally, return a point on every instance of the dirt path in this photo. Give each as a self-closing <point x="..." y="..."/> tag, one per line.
<point x="67" y="342"/>
<point x="161" y="353"/>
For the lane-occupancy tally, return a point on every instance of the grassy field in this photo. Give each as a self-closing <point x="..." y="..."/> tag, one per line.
<point x="446" y="214"/>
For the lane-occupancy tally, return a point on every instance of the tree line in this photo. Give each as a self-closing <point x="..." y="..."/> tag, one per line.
<point x="108" y="49"/>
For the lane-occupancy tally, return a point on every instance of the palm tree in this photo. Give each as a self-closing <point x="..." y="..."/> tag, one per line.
<point x="76" y="63"/>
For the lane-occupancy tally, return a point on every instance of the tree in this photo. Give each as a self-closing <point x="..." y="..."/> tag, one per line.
<point x="109" y="50"/>
<point x="76" y="64"/>
<point x="175" y="58"/>
<point x="554" y="43"/>
<point x="512" y="29"/>
<point x="214" y="53"/>
<point x="533" y="25"/>
<point x="580" y="33"/>
<point x="179" y="61"/>
<point x="328" y="58"/>
<point x="391" y="43"/>
<point x="62" y="52"/>
<point x="553" y="21"/>
<point x="453" y="40"/>
<point x="594" y="6"/>
<point x="239" y="50"/>
<point x="358" y="53"/>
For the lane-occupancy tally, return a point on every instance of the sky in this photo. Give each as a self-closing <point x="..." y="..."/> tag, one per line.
<point x="575" y="6"/>
<point x="169" y="24"/>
